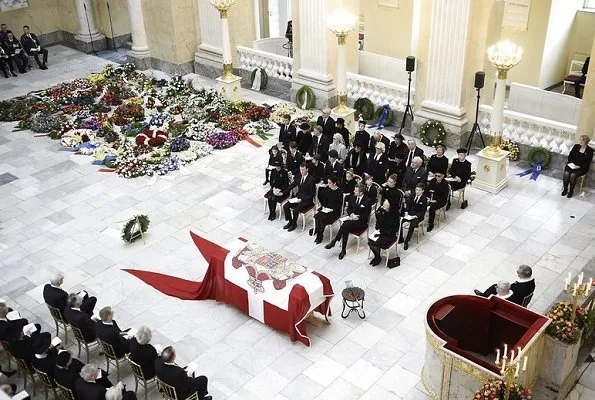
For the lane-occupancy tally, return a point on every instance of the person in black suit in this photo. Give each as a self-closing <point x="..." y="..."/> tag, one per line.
<point x="304" y="138"/>
<point x="391" y="192"/>
<point x="22" y="347"/>
<point x="109" y="332"/>
<point x="343" y="131"/>
<point x="362" y="136"/>
<point x="16" y="52"/>
<point x="56" y="297"/>
<point x="45" y="354"/>
<point x="521" y="288"/>
<point x="320" y="144"/>
<point x="3" y="33"/>
<point x="387" y="225"/>
<point x="274" y="155"/>
<point x="327" y="123"/>
<point x="279" y="189"/>
<point x="376" y="138"/>
<point x="459" y="173"/>
<point x="396" y="158"/>
<point x="415" y="212"/>
<point x="143" y="353"/>
<point x="378" y="164"/>
<point x="68" y="370"/>
<point x="358" y="211"/>
<point x="294" y="159"/>
<point x="306" y="189"/>
<point x="10" y="330"/>
<point x="414" y="174"/>
<point x="78" y="318"/>
<point x="438" y="162"/>
<point x="33" y="47"/>
<point x="581" y="155"/>
<point x="413" y="152"/>
<point x="172" y="374"/>
<point x="86" y="387"/>
<point x="438" y="192"/>
<point x="348" y="186"/>
<point x="331" y="202"/>
<point x="582" y="79"/>
<point x="316" y="168"/>
<point x="6" y="64"/>
<point x="287" y="132"/>
<point x="333" y="167"/>
<point x="356" y="159"/>
<point x="370" y="190"/>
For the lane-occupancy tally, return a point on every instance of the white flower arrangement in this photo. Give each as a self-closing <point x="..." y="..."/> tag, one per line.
<point x="201" y="149"/>
<point x="199" y="131"/>
<point x="187" y="156"/>
<point x="263" y="125"/>
<point x="281" y="109"/>
<point x="69" y="141"/>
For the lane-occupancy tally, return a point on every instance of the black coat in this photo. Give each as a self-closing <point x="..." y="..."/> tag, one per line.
<point x="417" y="208"/>
<point x="461" y="170"/>
<point x="583" y="160"/>
<point x="363" y="139"/>
<point x="520" y="290"/>
<point x="328" y="129"/>
<point x="29" y="42"/>
<point x="279" y="180"/>
<point x="336" y="170"/>
<point x="345" y="133"/>
<point x="378" y="168"/>
<point x="417" y="152"/>
<point x="67" y="377"/>
<point x="320" y="146"/>
<point x="362" y="210"/>
<point x="46" y="364"/>
<point x="82" y="321"/>
<point x="399" y="151"/>
<point x="294" y="162"/>
<point x="371" y="193"/>
<point x="23" y="348"/>
<point x="13" y="46"/>
<point x="438" y="164"/>
<point x="110" y="334"/>
<point x="394" y="197"/>
<point x="306" y="191"/>
<point x="304" y="141"/>
<point x="387" y="223"/>
<point x="287" y="135"/>
<point x="332" y="199"/>
<point x="412" y="178"/>
<point x="144" y="355"/>
<point x="10" y="330"/>
<point x="440" y="191"/>
<point x="372" y="145"/>
<point x="356" y="161"/>
<point x="348" y="186"/>
<point x="277" y="158"/>
<point x="89" y="390"/>
<point x="177" y="377"/>
<point x="317" y="171"/>
<point x="55" y="297"/>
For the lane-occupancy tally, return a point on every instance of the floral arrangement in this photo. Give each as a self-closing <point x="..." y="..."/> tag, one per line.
<point x="281" y="109"/>
<point x="187" y="156"/>
<point x="151" y="137"/>
<point x="131" y="168"/>
<point x="179" y="144"/>
<point x="230" y="122"/>
<point x="257" y="113"/>
<point x="92" y="123"/>
<point x="199" y="131"/>
<point x="201" y="149"/>
<point x="130" y="111"/>
<point x="222" y="140"/>
<point x="512" y="147"/>
<point x="168" y="164"/>
<point x="562" y="328"/>
<point x="111" y="99"/>
<point x="494" y="389"/>
<point x="157" y="156"/>
<point x="176" y="86"/>
<point x="435" y="127"/>
<point x="135" y="227"/>
<point x="45" y="123"/>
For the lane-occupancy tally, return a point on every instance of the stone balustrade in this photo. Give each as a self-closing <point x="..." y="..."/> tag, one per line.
<point x="380" y="92"/>
<point x="275" y="66"/>
<point x="533" y="131"/>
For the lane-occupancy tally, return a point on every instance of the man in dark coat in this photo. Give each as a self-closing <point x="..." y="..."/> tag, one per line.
<point x="378" y="164"/>
<point x="415" y="212"/>
<point x="287" y="132"/>
<point x="320" y="144"/>
<point x="414" y="175"/>
<point x="108" y="331"/>
<point x="304" y="198"/>
<point x="279" y="183"/>
<point x="44" y="358"/>
<point x="16" y="52"/>
<point x="176" y="376"/>
<point x="358" y="212"/>
<point x="87" y="387"/>
<point x="33" y="47"/>
<point x="333" y="167"/>
<point x="438" y="191"/>
<point x="413" y="151"/>
<point x="294" y="159"/>
<point x="327" y="123"/>
<point x="79" y="319"/>
<point x="331" y="202"/>
<point x="56" y="297"/>
<point x="521" y="288"/>
<point x="68" y="370"/>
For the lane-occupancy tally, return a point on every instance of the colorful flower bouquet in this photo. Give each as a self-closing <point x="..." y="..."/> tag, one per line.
<point x="562" y="328"/>
<point x="231" y="122"/>
<point x="179" y="144"/>
<point x="257" y="113"/>
<point x="151" y="137"/>
<point x="222" y="140"/>
<point x="494" y="390"/>
<point x="132" y="111"/>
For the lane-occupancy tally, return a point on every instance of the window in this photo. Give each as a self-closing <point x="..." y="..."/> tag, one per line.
<point x="589" y="4"/>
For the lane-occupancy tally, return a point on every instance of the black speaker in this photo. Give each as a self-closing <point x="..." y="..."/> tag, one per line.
<point x="480" y="77"/>
<point x="410" y="64"/>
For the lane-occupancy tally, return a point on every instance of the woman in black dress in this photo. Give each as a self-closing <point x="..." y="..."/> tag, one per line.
<point x="387" y="225"/>
<point x="579" y="160"/>
<point x="331" y="202"/>
<point x="274" y="155"/>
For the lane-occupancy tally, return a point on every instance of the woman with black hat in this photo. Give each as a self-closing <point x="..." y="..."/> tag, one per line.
<point x="357" y="159"/>
<point x="387" y="225"/>
<point x="304" y="138"/>
<point x="340" y="128"/>
<point x="279" y="185"/>
<point x="274" y="155"/>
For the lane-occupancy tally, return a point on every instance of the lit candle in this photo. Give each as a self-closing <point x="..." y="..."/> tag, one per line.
<point x="525" y="364"/>
<point x="590" y="281"/>
<point x="518" y="354"/>
<point x="569" y="277"/>
<point x="574" y="291"/>
<point x="512" y="356"/>
<point x="580" y="278"/>
<point x="497" y="356"/>
<point x="505" y="353"/>
<point x="503" y="364"/>
<point x="518" y="368"/>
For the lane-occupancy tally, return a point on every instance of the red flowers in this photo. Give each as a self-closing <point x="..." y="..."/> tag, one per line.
<point x="151" y="138"/>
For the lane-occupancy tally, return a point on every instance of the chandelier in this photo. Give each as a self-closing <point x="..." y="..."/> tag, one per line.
<point x="504" y="55"/>
<point x="222" y="5"/>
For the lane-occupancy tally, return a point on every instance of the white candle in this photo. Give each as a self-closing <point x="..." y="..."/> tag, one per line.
<point x="497" y="356"/>
<point x="518" y="354"/>
<point x="505" y="353"/>
<point x="512" y="356"/>
<point x="569" y="277"/>
<point x="503" y="364"/>
<point x="518" y="368"/>
<point x="525" y="364"/>
<point x="580" y="278"/>
<point x="574" y="291"/>
<point x="590" y="282"/>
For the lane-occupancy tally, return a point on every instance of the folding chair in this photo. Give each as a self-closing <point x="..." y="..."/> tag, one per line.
<point x="26" y="371"/>
<point x="139" y="377"/>
<point x="169" y="392"/>
<point x="358" y="234"/>
<point x="527" y="300"/>
<point x="303" y="213"/>
<point x="59" y="321"/>
<point x="9" y="355"/>
<point x="110" y="356"/>
<point x="48" y="383"/>
<point x="78" y="335"/>
<point x="66" y="393"/>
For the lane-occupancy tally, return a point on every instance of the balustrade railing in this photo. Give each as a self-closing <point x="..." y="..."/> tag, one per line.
<point x="275" y="66"/>
<point x="556" y="136"/>
<point x="380" y="92"/>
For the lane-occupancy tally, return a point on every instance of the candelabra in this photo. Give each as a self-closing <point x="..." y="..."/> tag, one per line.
<point x="510" y="368"/>
<point x="578" y="290"/>
<point x="223" y="6"/>
<point x="341" y="22"/>
<point x="503" y="55"/>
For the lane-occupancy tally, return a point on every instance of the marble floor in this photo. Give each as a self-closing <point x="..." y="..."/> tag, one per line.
<point x="57" y="213"/>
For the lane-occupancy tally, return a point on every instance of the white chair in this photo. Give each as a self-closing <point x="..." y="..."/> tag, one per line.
<point x="574" y="74"/>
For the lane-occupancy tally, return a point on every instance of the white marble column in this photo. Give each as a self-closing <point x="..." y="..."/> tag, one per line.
<point x="210" y="48"/>
<point x="314" y="50"/>
<point x="86" y="11"/>
<point x="446" y="63"/>
<point x="140" y="47"/>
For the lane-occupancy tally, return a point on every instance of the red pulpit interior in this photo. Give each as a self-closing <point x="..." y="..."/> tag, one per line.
<point x="473" y="326"/>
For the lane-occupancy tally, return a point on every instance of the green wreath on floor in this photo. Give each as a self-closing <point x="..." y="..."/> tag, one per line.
<point x="309" y="100"/>
<point x="432" y="133"/>
<point x="264" y="80"/>
<point x="539" y="154"/>
<point x="135" y="227"/>
<point x="365" y="108"/>
<point x="389" y="118"/>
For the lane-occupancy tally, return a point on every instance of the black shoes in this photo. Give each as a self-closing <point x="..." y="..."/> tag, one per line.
<point x="287" y="225"/>
<point x="405" y="245"/>
<point x="477" y="292"/>
<point x="330" y="245"/>
<point x="318" y="240"/>
<point x="292" y="228"/>
<point x="265" y="182"/>
<point x="447" y="206"/>
<point x="311" y="232"/>
<point x="272" y="217"/>
<point x="342" y="254"/>
<point x="13" y="74"/>
<point x="570" y="193"/>
<point x="375" y="261"/>
<point x="430" y="227"/>
<point x="565" y="192"/>
<point x="43" y="66"/>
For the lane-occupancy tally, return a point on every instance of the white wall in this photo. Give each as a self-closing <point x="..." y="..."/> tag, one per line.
<point x="557" y="41"/>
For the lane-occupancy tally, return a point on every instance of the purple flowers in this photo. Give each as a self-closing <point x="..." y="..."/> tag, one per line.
<point x="179" y="144"/>
<point x="222" y="140"/>
<point x="91" y="123"/>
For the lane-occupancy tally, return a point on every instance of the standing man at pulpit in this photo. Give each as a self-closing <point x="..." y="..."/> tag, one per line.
<point x="523" y="287"/>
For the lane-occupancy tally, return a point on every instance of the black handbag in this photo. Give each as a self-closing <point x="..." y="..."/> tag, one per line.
<point x="394" y="262"/>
